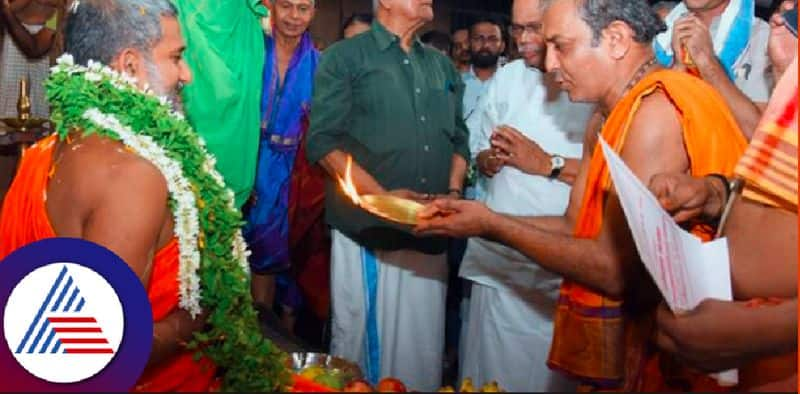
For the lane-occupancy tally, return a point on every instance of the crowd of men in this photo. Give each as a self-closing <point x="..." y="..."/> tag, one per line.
<point x="521" y="266"/>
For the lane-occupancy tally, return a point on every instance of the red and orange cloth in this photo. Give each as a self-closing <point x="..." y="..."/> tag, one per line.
<point x="24" y="220"/>
<point x="594" y="340"/>
<point x="769" y="166"/>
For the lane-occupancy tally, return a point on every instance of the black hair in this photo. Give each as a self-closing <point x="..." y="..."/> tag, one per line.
<point x="438" y="40"/>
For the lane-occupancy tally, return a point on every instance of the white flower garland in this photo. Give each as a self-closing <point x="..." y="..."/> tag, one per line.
<point x="184" y="211"/>
<point x="185" y="208"/>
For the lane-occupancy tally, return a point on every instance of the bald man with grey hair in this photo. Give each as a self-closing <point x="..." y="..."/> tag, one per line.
<point x="393" y="105"/>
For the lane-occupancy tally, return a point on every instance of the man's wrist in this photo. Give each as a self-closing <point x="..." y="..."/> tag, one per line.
<point x="710" y="67"/>
<point x="718" y="196"/>
<point x="481" y="159"/>
<point x="547" y="165"/>
<point x="489" y="227"/>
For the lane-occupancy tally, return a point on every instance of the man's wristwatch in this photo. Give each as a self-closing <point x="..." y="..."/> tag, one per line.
<point x="557" y="163"/>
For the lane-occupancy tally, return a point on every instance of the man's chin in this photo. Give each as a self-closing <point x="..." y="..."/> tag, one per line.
<point x="426" y="13"/>
<point x="577" y="97"/>
<point x="534" y="61"/>
<point x="485" y="62"/>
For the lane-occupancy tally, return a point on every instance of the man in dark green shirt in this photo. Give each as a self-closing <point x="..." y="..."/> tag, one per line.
<point x="394" y="105"/>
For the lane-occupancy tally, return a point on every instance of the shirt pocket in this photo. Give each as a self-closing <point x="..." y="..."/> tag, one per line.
<point x="441" y="105"/>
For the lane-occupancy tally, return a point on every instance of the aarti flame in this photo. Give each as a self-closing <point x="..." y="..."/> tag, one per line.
<point x="348" y="187"/>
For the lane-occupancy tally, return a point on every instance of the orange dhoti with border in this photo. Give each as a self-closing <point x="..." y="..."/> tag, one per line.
<point x="596" y="339"/>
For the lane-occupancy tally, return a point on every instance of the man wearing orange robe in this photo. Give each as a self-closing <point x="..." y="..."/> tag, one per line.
<point x="658" y="120"/>
<point x="93" y="188"/>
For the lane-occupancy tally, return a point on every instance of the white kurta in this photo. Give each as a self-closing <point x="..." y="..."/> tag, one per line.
<point x="753" y="73"/>
<point x="474" y="90"/>
<point x="510" y="322"/>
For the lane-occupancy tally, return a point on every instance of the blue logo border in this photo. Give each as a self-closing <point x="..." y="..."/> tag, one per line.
<point x="131" y="358"/>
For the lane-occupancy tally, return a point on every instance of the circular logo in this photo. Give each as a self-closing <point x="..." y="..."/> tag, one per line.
<point x="74" y="314"/>
<point x="76" y="317"/>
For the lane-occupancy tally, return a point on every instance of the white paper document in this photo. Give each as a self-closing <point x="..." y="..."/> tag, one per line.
<point x="686" y="270"/>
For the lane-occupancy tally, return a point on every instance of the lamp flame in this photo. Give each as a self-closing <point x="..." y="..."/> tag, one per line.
<point x="348" y="187"/>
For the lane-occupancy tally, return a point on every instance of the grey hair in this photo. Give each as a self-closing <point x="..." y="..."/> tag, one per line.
<point x="100" y="29"/>
<point x="637" y="14"/>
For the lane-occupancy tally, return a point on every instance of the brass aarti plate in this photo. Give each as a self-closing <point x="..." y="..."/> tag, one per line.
<point x="395" y="209"/>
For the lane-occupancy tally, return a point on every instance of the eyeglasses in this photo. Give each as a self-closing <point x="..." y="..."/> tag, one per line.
<point x="491" y="40"/>
<point x="531" y="28"/>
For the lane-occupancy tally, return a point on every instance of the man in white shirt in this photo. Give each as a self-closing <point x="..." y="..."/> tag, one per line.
<point x="486" y="46"/>
<point x="509" y="324"/>
<point x="723" y="42"/>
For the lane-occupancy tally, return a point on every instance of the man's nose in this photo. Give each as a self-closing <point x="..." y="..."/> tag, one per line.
<point x="550" y="61"/>
<point x="185" y="73"/>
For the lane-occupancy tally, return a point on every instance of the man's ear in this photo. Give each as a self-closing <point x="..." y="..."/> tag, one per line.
<point x="619" y="38"/>
<point x="131" y="62"/>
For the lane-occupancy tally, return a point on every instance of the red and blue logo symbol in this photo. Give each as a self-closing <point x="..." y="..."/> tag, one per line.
<point x="75" y="318"/>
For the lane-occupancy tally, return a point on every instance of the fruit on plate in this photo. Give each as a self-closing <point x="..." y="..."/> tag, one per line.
<point x="312" y="372"/>
<point x="358" y="386"/>
<point x="332" y="379"/>
<point x="467" y="386"/>
<point x="391" y="385"/>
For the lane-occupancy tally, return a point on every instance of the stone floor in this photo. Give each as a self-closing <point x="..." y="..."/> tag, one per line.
<point x="274" y="330"/>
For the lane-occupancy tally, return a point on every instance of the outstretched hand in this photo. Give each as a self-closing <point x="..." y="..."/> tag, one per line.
<point x="454" y="218"/>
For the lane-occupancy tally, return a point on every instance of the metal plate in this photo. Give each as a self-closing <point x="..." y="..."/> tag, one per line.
<point x="392" y="208"/>
<point x="301" y="361"/>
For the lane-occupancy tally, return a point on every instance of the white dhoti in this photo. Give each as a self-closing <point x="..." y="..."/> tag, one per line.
<point x="388" y="312"/>
<point x="510" y="328"/>
<point x="510" y="319"/>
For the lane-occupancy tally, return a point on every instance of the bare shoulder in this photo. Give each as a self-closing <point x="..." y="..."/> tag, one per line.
<point x="106" y="194"/>
<point x="94" y="170"/>
<point x="103" y="160"/>
<point x="654" y="143"/>
<point x="655" y="120"/>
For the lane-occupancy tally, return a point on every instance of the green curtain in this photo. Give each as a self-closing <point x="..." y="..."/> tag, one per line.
<point x="225" y="51"/>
